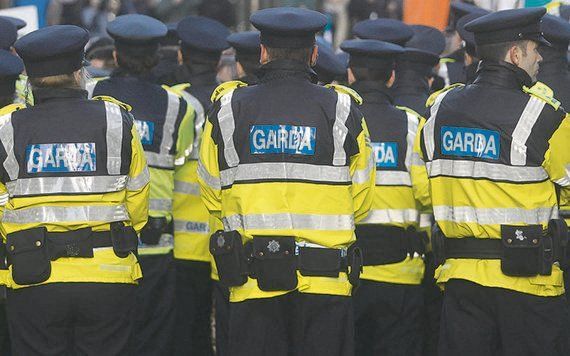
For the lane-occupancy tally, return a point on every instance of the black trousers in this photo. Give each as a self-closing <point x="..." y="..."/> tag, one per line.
<point x="293" y="324"/>
<point x="71" y="319"/>
<point x="433" y="300"/>
<point x="388" y="319"/>
<point x="154" y="311"/>
<point x="193" y="308"/>
<point x="479" y="320"/>
<point x="221" y="318"/>
<point x="4" y="334"/>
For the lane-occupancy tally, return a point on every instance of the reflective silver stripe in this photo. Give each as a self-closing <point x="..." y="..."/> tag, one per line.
<point x="186" y="188"/>
<point x="160" y="204"/>
<point x="565" y="181"/>
<point x="417" y="160"/>
<point x="490" y="216"/>
<point x="413" y="123"/>
<point x="227" y="127"/>
<point x="199" y="120"/>
<point x="154" y="159"/>
<point x="339" y="129"/>
<point x="284" y="170"/>
<point x="362" y="176"/>
<point x="386" y="216"/>
<point x="425" y="220"/>
<point x="60" y="214"/>
<point x="7" y="136"/>
<point x="114" y="136"/>
<point x="493" y="171"/>
<point x="287" y="221"/>
<point x="4" y="199"/>
<point x="90" y="87"/>
<point x="429" y="127"/>
<point x="64" y="185"/>
<point x="138" y="182"/>
<point x="211" y="181"/>
<point x="444" y="73"/>
<point x="169" y="123"/>
<point x="523" y="129"/>
<point x="197" y="227"/>
<point x="393" y="178"/>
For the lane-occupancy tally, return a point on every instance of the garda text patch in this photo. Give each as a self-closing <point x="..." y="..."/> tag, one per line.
<point x="146" y="131"/>
<point x="288" y="139"/>
<point x="470" y="142"/>
<point x="386" y="154"/>
<point x="61" y="157"/>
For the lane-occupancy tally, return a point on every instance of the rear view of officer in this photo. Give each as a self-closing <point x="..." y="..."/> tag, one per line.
<point x="75" y="193"/>
<point x="246" y="44"/>
<point x="165" y="123"/>
<point x="389" y="302"/>
<point x="497" y="155"/>
<point x="286" y="165"/>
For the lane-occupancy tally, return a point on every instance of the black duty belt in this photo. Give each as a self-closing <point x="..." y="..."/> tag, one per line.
<point x="473" y="248"/>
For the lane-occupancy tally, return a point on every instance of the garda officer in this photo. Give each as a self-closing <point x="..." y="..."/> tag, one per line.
<point x="75" y="186"/>
<point x="286" y="165"/>
<point x="168" y="52"/>
<point x="246" y="45"/>
<point x="202" y="43"/>
<point x="387" y="30"/>
<point x="389" y="301"/>
<point x="329" y="67"/>
<point x="471" y="59"/>
<point x="496" y="155"/>
<point x="165" y="124"/>
<point x="99" y="53"/>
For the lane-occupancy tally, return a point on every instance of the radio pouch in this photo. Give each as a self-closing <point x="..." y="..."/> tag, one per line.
<point x="521" y="245"/>
<point x="29" y="256"/>
<point x="275" y="263"/>
<point x="227" y="249"/>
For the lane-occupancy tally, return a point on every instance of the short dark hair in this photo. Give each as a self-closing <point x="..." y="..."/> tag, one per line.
<point x="55" y="81"/>
<point x="497" y="51"/>
<point x="376" y="74"/>
<point x="192" y="57"/>
<point x="248" y="63"/>
<point x="302" y="55"/>
<point x="137" y="60"/>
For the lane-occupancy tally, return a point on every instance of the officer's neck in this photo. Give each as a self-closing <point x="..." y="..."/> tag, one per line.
<point x="502" y="74"/>
<point x="373" y="91"/>
<point x="42" y="95"/>
<point x="285" y="68"/>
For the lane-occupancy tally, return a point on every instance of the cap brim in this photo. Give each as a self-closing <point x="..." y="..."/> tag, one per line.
<point x="544" y="41"/>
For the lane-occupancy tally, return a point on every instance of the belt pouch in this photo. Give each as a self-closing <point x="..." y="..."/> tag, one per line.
<point x="319" y="262"/>
<point x="152" y="231"/>
<point x="275" y="263"/>
<point x="29" y="256"/>
<point x="438" y="245"/>
<point x="124" y="239"/>
<point x="356" y="263"/>
<point x="75" y="243"/>
<point x="227" y="250"/>
<point x="521" y="250"/>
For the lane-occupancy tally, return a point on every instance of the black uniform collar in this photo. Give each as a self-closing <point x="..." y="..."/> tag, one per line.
<point x="42" y="95"/>
<point x="374" y="92"/>
<point x="250" y="79"/>
<point x="121" y="73"/>
<point x="502" y="74"/>
<point x="284" y="68"/>
<point x="409" y="81"/>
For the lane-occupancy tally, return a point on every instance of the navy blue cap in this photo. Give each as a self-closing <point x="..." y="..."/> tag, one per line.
<point x="53" y="50"/>
<point x="135" y="29"/>
<point x="288" y="27"/>
<point x="418" y="61"/>
<point x="371" y="53"/>
<point x="343" y="57"/>
<point x="99" y="47"/>
<point x="387" y="30"/>
<point x="19" y="23"/>
<point x="10" y="68"/>
<point x="328" y="67"/>
<point x="428" y="39"/>
<point x="460" y="9"/>
<point x="508" y="25"/>
<point x="556" y="30"/>
<point x="8" y="33"/>
<point x="565" y="12"/>
<point x="203" y="34"/>
<point x="245" y="42"/>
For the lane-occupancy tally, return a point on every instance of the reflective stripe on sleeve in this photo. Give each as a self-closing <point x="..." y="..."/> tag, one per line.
<point x="362" y="176"/>
<point x="114" y="136"/>
<point x="339" y="129"/>
<point x="160" y="204"/>
<point x="429" y="127"/>
<point x="7" y="136"/>
<point x="61" y="214"/>
<point x="523" y="129"/>
<point x="285" y="221"/>
<point x="186" y="188"/>
<point x="211" y="181"/>
<point x="138" y="182"/>
<point x="158" y="160"/>
<point x="413" y="123"/>
<point x="169" y="127"/>
<point x="227" y="127"/>
<point x="494" y="216"/>
<point x="393" y="178"/>
<point x="199" y="120"/>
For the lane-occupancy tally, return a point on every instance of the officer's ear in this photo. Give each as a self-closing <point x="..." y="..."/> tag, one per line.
<point x="264" y="57"/>
<point x="392" y="79"/>
<point x="314" y="55"/>
<point x="180" y="57"/>
<point x="115" y="57"/>
<point x="351" y="77"/>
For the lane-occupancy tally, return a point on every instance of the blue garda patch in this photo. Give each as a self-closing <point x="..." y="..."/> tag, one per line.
<point x="146" y="131"/>
<point x="61" y="157"/>
<point x="470" y="142"/>
<point x="288" y="139"/>
<point x="386" y="154"/>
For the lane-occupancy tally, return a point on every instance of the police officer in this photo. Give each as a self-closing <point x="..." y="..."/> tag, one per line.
<point x="389" y="301"/>
<point x="75" y="193"/>
<point x="471" y="59"/>
<point x="329" y="67"/>
<point x="387" y="30"/>
<point x="99" y="53"/>
<point x="165" y="123"/>
<point x="287" y="167"/>
<point x="202" y="41"/>
<point x="496" y="155"/>
<point x="554" y="66"/>
<point x="168" y="53"/>
<point x="246" y="45"/>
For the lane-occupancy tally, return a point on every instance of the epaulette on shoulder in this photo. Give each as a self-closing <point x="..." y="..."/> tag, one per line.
<point x="447" y="60"/>
<point x="8" y="109"/>
<point x="433" y="97"/>
<point x="408" y="110"/>
<point x="226" y="88"/>
<point x="346" y="90"/>
<point x="544" y="93"/>
<point x="110" y="99"/>
<point x="179" y="88"/>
